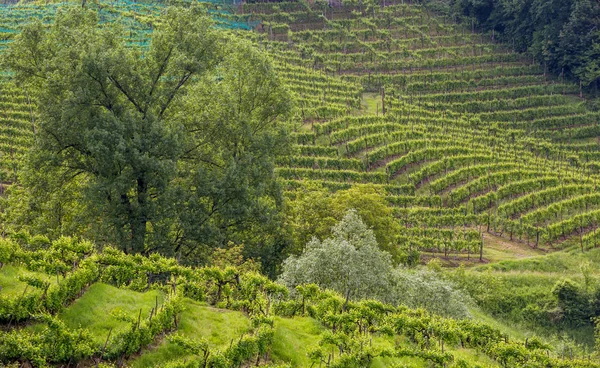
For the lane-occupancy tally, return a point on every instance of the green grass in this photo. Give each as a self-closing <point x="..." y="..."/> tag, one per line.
<point x="9" y="280"/>
<point x="474" y="358"/>
<point x="93" y="310"/>
<point x="218" y="326"/>
<point x="294" y="338"/>
<point x="496" y="249"/>
<point x="529" y="280"/>
<point x="514" y="331"/>
<point x="566" y="262"/>
<point x="371" y="103"/>
<point x="387" y="342"/>
<point x="583" y="335"/>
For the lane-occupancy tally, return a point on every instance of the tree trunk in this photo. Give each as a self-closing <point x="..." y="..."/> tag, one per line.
<point x="140" y="218"/>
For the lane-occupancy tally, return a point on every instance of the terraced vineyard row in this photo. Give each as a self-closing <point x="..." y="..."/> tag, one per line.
<point x="464" y="136"/>
<point x="17" y="125"/>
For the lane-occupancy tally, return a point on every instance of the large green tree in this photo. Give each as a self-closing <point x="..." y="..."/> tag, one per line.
<point x="314" y="210"/>
<point x="171" y="146"/>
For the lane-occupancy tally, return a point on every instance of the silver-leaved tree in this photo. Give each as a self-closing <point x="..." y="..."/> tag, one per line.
<point x="351" y="263"/>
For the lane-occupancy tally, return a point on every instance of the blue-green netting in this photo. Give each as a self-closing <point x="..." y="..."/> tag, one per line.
<point x="14" y="17"/>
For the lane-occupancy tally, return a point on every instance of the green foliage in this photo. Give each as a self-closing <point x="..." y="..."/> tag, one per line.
<point x="562" y="34"/>
<point x="343" y="338"/>
<point x="248" y="348"/>
<point x="197" y="323"/>
<point x="597" y="333"/>
<point x="65" y="256"/>
<point x="471" y="148"/>
<point x="136" y="130"/>
<point x="314" y="211"/>
<point x="576" y="305"/>
<point x="7" y="250"/>
<point x="142" y="333"/>
<point x="532" y="294"/>
<point x="428" y="290"/>
<point x="54" y="344"/>
<point x="350" y="263"/>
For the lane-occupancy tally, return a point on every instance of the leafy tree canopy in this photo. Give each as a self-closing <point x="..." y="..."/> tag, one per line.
<point x="314" y="211"/>
<point x="562" y="34"/>
<point x="351" y="263"/>
<point x="169" y="148"/>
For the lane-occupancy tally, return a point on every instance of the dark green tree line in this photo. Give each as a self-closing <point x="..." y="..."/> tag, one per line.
<point x="563" y="35"/>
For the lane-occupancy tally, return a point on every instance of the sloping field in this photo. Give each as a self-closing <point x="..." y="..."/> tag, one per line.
<point x="457" y="131"/>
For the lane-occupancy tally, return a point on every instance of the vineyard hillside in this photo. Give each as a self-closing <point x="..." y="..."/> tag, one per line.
<point x="461" y="134"/>
<point x="442" y="120"/>
<point x="474" y="168"/>
<point x="73" y="304"/>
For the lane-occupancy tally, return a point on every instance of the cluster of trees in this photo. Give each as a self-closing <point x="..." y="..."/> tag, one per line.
<point x="313" y="211"/>
<point x="577" y="304"/>
<point x="351" y="263"/>
<point x="562" y="34"/>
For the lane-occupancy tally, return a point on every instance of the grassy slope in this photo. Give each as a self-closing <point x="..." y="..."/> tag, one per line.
<point x="535" y="276"/>
<point x="566" y="262"/>
<point x="500" y="249"/>
<point x="294" y="338"/>
<point x="219" y="327"/>
<point x="9" y="279"/>
<point x="94" y="310"/>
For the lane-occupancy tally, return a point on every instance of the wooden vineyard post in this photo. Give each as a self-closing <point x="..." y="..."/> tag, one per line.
<point x="481" y="249"/>
<point x="383" y="100"/>
<point x="104" y="347"/>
